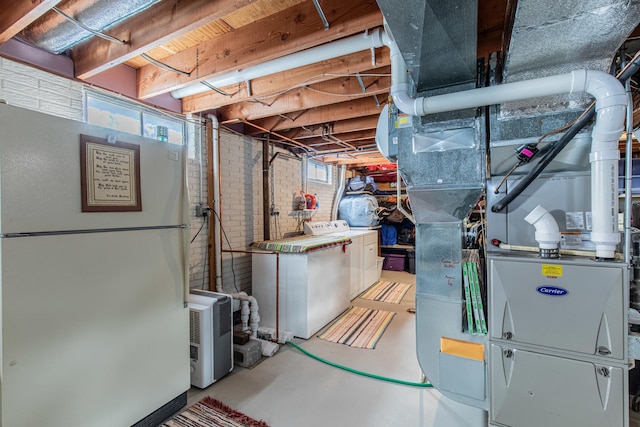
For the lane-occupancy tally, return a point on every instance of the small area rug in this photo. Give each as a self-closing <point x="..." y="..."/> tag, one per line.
<point x="210" y="412"/>
<point x="358" y="327"/>
<point x="385" y="291"/>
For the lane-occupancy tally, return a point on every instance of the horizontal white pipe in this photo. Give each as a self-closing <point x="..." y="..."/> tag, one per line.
<point x="547" y="231"/>
<point x="309" y="56"/>
<point x="610" y="113"/>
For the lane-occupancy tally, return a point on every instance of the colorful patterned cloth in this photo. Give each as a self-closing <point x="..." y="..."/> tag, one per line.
<point x="302" y="244"/>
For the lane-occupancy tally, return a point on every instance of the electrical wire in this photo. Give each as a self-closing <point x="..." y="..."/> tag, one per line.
<point x="199" y="230"/>
<point x="206" y="257"/>
<point x="230" y="248"/>
<point x="355" y="371"/>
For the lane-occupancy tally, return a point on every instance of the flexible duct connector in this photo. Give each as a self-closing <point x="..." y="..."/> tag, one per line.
<point x="610" y="112"/>
<point x="249" y="312"/>
<point x="547" y="231"/>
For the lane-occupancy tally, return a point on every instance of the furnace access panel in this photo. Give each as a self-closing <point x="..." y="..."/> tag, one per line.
<point x="557" y="342"/>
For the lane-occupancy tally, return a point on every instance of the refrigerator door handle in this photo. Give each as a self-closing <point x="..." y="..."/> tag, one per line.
<point x="91" y="231"/>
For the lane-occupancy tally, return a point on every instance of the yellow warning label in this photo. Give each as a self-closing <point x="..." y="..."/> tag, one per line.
<point x="551" y="270"/>
<point x="403" y="121"/>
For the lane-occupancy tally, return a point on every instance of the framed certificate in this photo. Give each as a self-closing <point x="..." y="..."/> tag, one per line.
<point x="110" y="175"/>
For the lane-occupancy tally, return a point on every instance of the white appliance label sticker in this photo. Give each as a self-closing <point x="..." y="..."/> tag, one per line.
<point x="588" y="216"/>
<point x="574" y="220"/>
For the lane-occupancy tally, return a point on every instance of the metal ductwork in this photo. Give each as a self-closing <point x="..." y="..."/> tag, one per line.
<point x="442" y="156"/>
<point x="61" y="34"/>
<point x="437" y="39"/>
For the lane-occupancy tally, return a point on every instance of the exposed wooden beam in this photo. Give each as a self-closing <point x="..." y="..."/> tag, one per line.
<point x="326" y="70"/>
<point x="372" y="158"/>
<point x="311" y="96"/>
<point x="350" y="137"/>
<point x="16" y="15"/>
<point x="330" y="113"/>
<point x="147" y="30"/>
<point x="340" y="126"/>
<point x="281" y="34"/>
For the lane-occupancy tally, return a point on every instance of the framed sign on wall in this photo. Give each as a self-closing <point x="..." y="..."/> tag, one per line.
<point x="110" y="175"/>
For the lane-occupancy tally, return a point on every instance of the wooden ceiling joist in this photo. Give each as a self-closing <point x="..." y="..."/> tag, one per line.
<point x="16" y="15"/>
<point x="292" y="30"/>
<point x="359" y="62"/>
<point x="341" y="111"/>
<point x="339" y="126"/>
<point x="311" y="96"/>
<point x="159" y="23"/>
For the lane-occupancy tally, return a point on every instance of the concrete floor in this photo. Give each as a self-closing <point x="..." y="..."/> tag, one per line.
<point x="292" y="389"/>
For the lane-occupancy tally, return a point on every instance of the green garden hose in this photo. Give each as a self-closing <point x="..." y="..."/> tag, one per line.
<point x="355" y="371"/>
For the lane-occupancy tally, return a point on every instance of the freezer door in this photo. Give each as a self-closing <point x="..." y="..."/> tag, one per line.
<point x="94" y="328"/>
<point x="40" y="176"/>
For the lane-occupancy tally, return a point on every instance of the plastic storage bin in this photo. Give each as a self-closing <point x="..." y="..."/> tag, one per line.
<point x="394" y="262"/>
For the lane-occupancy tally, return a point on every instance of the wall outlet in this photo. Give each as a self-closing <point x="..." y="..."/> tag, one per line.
<point x="202" y="210"/>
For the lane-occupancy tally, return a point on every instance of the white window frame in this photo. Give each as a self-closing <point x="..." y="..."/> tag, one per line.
<point x="312" y="169"/>
<point x="141" y="110"/>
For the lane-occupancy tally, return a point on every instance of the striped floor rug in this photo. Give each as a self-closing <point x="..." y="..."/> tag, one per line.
<point x="358" y="327"/>
<point x="210" y="412"/>
<point x="385" y="291"/>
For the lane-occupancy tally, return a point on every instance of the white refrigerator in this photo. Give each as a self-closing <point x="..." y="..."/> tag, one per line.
<point x="94" y="325"/>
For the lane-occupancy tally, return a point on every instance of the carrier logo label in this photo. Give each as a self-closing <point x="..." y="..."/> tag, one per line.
<point x="553" y="291"/>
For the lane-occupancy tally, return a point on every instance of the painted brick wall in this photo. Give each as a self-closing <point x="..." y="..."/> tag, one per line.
<point x="241" y="201"/>
<point x="28" y="87"/>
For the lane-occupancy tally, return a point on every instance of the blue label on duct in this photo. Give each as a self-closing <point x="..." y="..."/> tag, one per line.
<point x="553" y="291"/>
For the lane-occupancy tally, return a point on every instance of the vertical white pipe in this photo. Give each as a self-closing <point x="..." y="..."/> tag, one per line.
<point x="216" y="218"/>
<point x="611" y="104"/>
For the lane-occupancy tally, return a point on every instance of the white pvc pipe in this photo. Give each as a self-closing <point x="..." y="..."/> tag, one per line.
<point x="309" y="56"/>
<point x="547" y="231"/>
<point x="215" y="170"/>
<point x="249" y="312"/>
<point x="610" y="111"/>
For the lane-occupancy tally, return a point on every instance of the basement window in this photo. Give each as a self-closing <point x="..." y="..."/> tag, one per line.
<point x="319" y="172"/>
<point x="132" y="118"/>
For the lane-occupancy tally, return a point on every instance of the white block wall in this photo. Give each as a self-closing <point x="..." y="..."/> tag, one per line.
<point x="31" y="88"/>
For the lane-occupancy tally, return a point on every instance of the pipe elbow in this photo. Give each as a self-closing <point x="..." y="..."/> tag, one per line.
<point x="254" y="303"/>
<point x="405" y="102"/>
<point x="605" y="88"/>
<point x="547" y="231"/>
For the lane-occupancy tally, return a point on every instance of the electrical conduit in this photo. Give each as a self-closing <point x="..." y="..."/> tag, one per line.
<point x="610" y="108"/>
